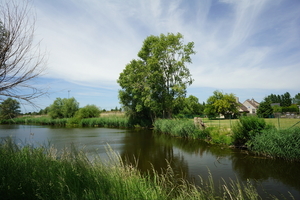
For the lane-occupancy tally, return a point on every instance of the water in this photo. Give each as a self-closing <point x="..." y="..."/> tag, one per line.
<point x="189" y="158"/>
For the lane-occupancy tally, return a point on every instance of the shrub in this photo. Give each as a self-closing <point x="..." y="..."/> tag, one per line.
<point x="88" y="111"/>
<point x="248" y="127"/>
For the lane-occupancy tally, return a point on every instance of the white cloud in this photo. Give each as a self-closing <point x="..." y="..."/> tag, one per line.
<point x="91" y="41"/>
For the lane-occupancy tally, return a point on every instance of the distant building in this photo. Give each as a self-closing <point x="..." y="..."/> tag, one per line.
<point x="241" y="107"/>
<point x="251" y="106"/>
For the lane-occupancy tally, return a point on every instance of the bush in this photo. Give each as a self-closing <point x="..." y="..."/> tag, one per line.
<point x="88" y="111"/>
<point x="278" y="143"/>
<point x="248" y="127"/>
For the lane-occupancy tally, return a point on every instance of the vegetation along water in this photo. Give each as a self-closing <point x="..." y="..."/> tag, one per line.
<point x="168" y="160"/>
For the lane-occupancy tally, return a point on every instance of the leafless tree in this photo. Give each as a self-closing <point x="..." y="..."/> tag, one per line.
<point x="21" y="60"/>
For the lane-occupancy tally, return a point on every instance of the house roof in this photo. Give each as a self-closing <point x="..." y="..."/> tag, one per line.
<point x="253" y="103"/>
<point x="243" y="108"/>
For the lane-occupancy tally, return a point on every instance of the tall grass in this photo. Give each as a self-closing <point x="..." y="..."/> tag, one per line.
<point x="185" y="128"/>
<point x="44" y="173"/>
<point x="176" y="127"/>
<point x="110" y="121"/>
<point x="282" y="143"/>
<point x="106" y="121"/>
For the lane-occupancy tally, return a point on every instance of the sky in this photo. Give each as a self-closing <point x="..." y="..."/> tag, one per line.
<point x="250" y="48"/>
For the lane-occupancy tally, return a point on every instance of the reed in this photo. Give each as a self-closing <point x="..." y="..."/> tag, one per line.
<point x="106" y="121"/>
<point x="109" y="121"/>
<point x="186" y="129"/>
<point x="278" y="143"/>
<point x="45" y="173"/>
<point x="176" y="127"/>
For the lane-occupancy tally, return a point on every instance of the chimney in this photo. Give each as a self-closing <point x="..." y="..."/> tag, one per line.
<point x="237" y="99"/>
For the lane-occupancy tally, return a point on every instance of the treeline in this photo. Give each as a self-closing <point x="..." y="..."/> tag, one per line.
<point x="279" y="104"/>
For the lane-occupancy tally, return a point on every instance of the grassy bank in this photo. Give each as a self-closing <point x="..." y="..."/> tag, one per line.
<point x="277" y="143"/>
<point x="44" y="173"/>
<point x="118" y="121"/>
<point x="256" y="134"/>
<point x="185" y="128"/>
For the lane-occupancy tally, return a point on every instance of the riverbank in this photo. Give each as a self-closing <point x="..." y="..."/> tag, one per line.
<point x="246" y="132"/>
<point x="251" y="133"/>
<point x="71" y="174"/>
<point x="116" y="121"/>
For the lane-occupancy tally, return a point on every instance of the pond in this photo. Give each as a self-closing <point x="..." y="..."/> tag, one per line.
<point x="190" y="158"/>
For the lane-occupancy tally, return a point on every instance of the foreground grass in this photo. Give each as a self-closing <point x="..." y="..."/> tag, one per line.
<point x="44" y="173"/>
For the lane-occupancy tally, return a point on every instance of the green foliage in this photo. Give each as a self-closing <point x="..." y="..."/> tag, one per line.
<point x="178" y="128"/>
<point x="291" y="108"/>
<point x="265" y="109"/>
<point x="112" y="121"/>
<point x="285" y="99"/>
<point x="296" y="99"/>
<point x="188" y="106"/>
<point x="152" y="84"/>
<point x="63" y="108"/>
<point x="283" y="143"/>
<point x="88" y="111"/>
<point x="247" y="128"/>
<point x="224" y="104"/>
<point x="9" y="108"/>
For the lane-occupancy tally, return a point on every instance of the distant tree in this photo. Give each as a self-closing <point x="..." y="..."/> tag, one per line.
<point x="63" y="108"/>
<point x="70" y="107"/>
<point x="9" y="108"/>
<point x="265" y="109"/>
<point x="277" y="109"/>
<point x="296" y="99"/>
<point x="88" y="111"/>
<point x="224" y="104"/>
<point x="21" y="60"/>
<point x="151" y="84"/>
<point x="286" y="100"/>
<point x="189" y="106"/>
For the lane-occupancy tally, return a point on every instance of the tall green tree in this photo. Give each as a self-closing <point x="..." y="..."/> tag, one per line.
<point x="152" y="83"/>
<point x="63" y="108"/>
<point x="9" y="108"/>
<point x="265" y="109"/>
<point x="296" y="99"/>
<point x="222" y="104"/>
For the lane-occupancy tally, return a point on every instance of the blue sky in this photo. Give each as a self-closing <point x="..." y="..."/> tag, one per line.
<point x="247" y="47"/>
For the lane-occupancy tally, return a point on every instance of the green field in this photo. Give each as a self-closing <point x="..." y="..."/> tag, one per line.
<point x="277" y="122"/>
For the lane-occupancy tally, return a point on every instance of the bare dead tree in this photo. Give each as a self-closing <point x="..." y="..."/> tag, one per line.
<point x="21" y="60"/>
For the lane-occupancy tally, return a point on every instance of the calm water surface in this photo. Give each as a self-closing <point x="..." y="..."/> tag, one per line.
<point x="187" y="157"/>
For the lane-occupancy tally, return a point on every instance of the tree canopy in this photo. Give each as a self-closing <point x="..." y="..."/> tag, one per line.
<point x="63" y="108"/>
<point x="285" y="99"/>
<point x="152" y="83"/>
<point x="9" y="108"/>
<point x="224" y="104"/>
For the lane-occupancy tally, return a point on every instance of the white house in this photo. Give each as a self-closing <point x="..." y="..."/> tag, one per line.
<point x="251" y="105"/>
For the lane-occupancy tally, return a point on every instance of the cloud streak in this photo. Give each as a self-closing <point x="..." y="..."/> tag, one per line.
<point x="240" y="44"/>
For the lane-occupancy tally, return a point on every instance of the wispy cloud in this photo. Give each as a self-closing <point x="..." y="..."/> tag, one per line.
<point x="239" y="43"/>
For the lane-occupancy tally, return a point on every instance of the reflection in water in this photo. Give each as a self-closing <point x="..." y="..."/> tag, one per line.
<point x="188" y="158"/>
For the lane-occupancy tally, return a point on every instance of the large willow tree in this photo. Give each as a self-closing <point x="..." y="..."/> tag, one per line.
<point x="152" y="83"/>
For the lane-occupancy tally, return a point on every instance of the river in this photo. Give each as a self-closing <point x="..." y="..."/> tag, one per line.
<point x="190" y="158"/>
